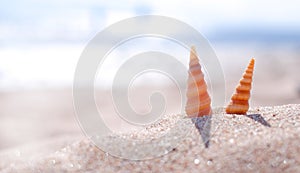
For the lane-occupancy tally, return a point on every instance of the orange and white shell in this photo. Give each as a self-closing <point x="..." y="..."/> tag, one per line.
<point x="198" y="99"/>
<point x="240" y="100"/>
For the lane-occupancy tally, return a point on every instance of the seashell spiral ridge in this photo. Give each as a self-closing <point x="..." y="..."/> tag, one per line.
<point x="198" y="100"/>
<point x="240" y="100"/>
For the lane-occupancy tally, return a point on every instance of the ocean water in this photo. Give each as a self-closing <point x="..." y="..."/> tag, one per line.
<point x="53" y="65"/>
<point x="40" y="43"/>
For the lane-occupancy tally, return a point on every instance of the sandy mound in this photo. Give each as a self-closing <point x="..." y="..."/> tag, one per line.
<point x="268" y="140"/>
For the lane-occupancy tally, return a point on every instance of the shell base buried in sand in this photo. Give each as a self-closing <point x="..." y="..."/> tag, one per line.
<point x="237" y="109"/>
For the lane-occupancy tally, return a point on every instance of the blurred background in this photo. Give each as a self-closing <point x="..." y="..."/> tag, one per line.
<point x="41" y="42"/>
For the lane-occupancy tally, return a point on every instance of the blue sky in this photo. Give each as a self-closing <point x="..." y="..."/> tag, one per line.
<point x="77" y="21"/>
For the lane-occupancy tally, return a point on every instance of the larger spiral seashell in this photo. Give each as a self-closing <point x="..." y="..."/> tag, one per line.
<point x="198" y="99"/>
<point x="240" y="100"/>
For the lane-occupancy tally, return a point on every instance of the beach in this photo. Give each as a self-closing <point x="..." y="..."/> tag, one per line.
<point x="103" y="86"/>
<point x="266" y="140"/>
<point x="38" y="123"/>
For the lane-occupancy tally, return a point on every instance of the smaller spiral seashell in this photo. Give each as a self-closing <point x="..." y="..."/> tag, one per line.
<point x="198" y="100"/>
<point x="240" y="100"/>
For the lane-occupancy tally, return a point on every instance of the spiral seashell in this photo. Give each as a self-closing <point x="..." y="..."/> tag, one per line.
<point x="239" y="101"/>
<point x="198" y="99"/>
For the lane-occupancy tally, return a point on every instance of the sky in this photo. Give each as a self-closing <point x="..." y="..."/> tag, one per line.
<point x="41" y="41"/>
<point x="76" y="21"/>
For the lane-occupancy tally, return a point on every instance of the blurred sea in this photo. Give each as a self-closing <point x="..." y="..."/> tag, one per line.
<point x="40" y="43"/>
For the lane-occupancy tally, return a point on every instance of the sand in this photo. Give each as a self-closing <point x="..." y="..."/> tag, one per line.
<point x="267" y="140"/>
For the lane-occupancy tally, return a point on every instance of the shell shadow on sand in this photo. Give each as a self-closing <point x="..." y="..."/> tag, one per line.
<point x="203" y="125"/>
<point x="259" y="118"/>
